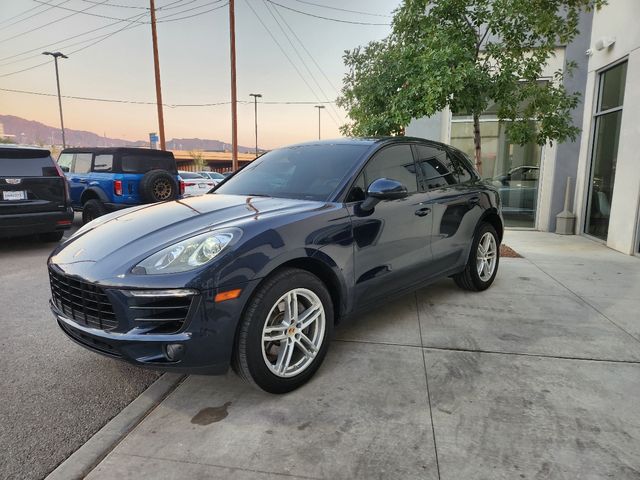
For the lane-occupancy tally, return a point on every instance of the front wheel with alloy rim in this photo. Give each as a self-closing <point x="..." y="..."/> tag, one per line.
<point x="284" y="332"/>
<point x="482" y="265"/>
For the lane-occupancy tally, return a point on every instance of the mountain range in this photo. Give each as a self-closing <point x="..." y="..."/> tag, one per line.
<point x="31" y="132"/>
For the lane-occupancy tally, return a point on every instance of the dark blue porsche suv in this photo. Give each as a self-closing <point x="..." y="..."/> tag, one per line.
<point x="257" y="273"/>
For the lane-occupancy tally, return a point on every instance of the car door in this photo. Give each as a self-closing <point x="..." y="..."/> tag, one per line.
<point x="391" y="249"/>
<point x="79" y="175"/>
<point x="455" y="203"/>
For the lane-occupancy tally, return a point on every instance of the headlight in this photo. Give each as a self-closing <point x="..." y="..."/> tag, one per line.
<point x="187" y="254"/>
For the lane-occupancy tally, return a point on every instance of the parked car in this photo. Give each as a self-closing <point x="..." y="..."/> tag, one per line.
<point x="519" y="190"/>
<point x="102" y="180"/>
<point x="34" y="196"/>
<point x="257" y="273"/>
<point x="195" y="184"/>
<point x="215" y="176"/>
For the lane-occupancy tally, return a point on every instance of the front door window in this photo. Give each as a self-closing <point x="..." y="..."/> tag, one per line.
<point x="608" y="118"/>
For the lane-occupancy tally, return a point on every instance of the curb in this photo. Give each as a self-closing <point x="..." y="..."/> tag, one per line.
<point x="83" y="460"/>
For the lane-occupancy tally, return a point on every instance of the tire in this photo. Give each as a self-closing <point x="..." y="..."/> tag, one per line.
<point x="158" y="186"/>
<point x="257" y="360"/>
<point x="470" y="278"/>
<point x="92" y="209"/>
<point x="51" y="236"/>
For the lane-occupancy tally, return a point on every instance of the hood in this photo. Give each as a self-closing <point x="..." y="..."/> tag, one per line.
<point x="145" y="229"/>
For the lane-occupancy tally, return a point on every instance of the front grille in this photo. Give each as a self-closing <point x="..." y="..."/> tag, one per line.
<point x="84" y="302"/>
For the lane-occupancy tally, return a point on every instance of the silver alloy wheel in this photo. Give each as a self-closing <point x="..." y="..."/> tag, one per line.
<point x="487" y="256"/>
<point x="293" y="332"/>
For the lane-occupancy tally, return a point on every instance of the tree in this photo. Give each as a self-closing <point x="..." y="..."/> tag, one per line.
<point x="198" y="159"/>
<point x="467" y="55"/>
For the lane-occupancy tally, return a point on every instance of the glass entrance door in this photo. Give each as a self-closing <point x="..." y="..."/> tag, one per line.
<point x="606" y="135"/>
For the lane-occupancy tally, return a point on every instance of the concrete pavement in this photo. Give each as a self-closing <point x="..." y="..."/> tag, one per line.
<point x="537" y="378"/>
<point x="54" y="394"/>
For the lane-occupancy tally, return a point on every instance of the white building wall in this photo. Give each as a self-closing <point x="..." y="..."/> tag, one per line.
<point x="618" y="19"/>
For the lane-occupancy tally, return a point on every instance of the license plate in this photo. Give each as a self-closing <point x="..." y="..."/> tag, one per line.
<point x="202" y="185"/>
<point x="14" y="195"/>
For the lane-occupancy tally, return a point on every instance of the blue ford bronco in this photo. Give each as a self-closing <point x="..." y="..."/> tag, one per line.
<point x="102" y="180"/>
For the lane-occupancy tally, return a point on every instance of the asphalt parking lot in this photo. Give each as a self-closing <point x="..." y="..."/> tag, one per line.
<point x="536" y="378"/>
<point x="55" y="394"/>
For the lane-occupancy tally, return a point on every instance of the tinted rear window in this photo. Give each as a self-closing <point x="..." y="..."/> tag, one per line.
<point x="143" y="163"/>
<point x="190" y="175"/>
<point x="307" y="172"/>
<point x="26" y="165"/>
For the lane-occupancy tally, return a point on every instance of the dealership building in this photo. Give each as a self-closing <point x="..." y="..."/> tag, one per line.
<point x="603" y="163"/>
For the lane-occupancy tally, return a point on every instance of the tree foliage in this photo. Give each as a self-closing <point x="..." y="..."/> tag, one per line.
<point x="198" y="159"/>
<point x="467" y="55"/>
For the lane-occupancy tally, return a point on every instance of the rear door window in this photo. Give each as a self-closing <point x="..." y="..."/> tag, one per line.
<point x="436" y="167"/>
<point x="132" y="163"/>
<point x="394" y="162"/>
<point x="82" y="163"/>
<point x="103" y="163"/>
<point x="26" y="165"/>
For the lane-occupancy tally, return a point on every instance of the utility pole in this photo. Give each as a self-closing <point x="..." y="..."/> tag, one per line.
<point x="319" y="107"/>
<point x="156" y="66"/>
<point x="234" y="97"/>
<point x="256" y="96"/>
<point x="55" y="56"/>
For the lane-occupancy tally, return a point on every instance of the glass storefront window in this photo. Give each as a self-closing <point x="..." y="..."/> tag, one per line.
<point x="513" y="169"/>
<point x="608" y="118"/>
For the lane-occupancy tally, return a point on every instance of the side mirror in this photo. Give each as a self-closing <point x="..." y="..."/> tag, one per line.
<point x="65" y="169"/>
<point x="383" y="189"/>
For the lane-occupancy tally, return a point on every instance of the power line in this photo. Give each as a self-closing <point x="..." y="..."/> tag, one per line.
<point x="116" y="5"/>
<point x="104" y="37"/>
<point x="132" y="23"/>
<point x="295" y="67"/>
<point x="30" y="16"/>
<point x="324" y="18"/>
<point x="48" y="45"/>
<point x="162" y="19"/>
<point x="341" y="9"/>
<point x="49" y="23"/>
<point x="304" y="64"/>
<point x="58" y="42"/>
<point x="313" y="59"/>
<point x="85" y="13"/>
<point x="168" y="105"/>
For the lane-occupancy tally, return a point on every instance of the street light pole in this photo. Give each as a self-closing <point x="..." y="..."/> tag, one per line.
<point x="55" y="56"/>
<point x="256" y="96"/>
<point x="319" y="107"/>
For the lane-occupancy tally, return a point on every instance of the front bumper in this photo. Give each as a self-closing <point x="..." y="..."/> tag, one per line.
<point x="206" y="339"/>
<point x="32" y="223"/>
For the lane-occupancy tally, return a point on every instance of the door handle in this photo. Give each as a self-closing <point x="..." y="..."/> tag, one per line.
<point x="83" y="181"/>
<point x="423" y="212"/>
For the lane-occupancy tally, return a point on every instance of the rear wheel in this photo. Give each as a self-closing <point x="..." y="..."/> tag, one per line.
<point x="92" y="209"/>
<point x="158" y="186"/>
<point x="482" y="266"/>
<point x="284" y="332"/>
<point x="51" y="236"/>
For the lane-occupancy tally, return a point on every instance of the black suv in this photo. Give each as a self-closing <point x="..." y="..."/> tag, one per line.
<point x="34" y="196"/>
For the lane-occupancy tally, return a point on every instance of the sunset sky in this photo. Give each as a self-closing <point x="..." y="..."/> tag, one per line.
<point x="194" y="62"/>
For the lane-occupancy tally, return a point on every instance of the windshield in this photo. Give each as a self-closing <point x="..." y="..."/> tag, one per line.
<point x="190" y="175"/>
<point x="26" y="163"/>
<point x="306" y="172"/>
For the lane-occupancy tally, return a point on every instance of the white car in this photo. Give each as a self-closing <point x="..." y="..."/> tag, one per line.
<point x="215" y="176"/>
<point x="195" y="184"/>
